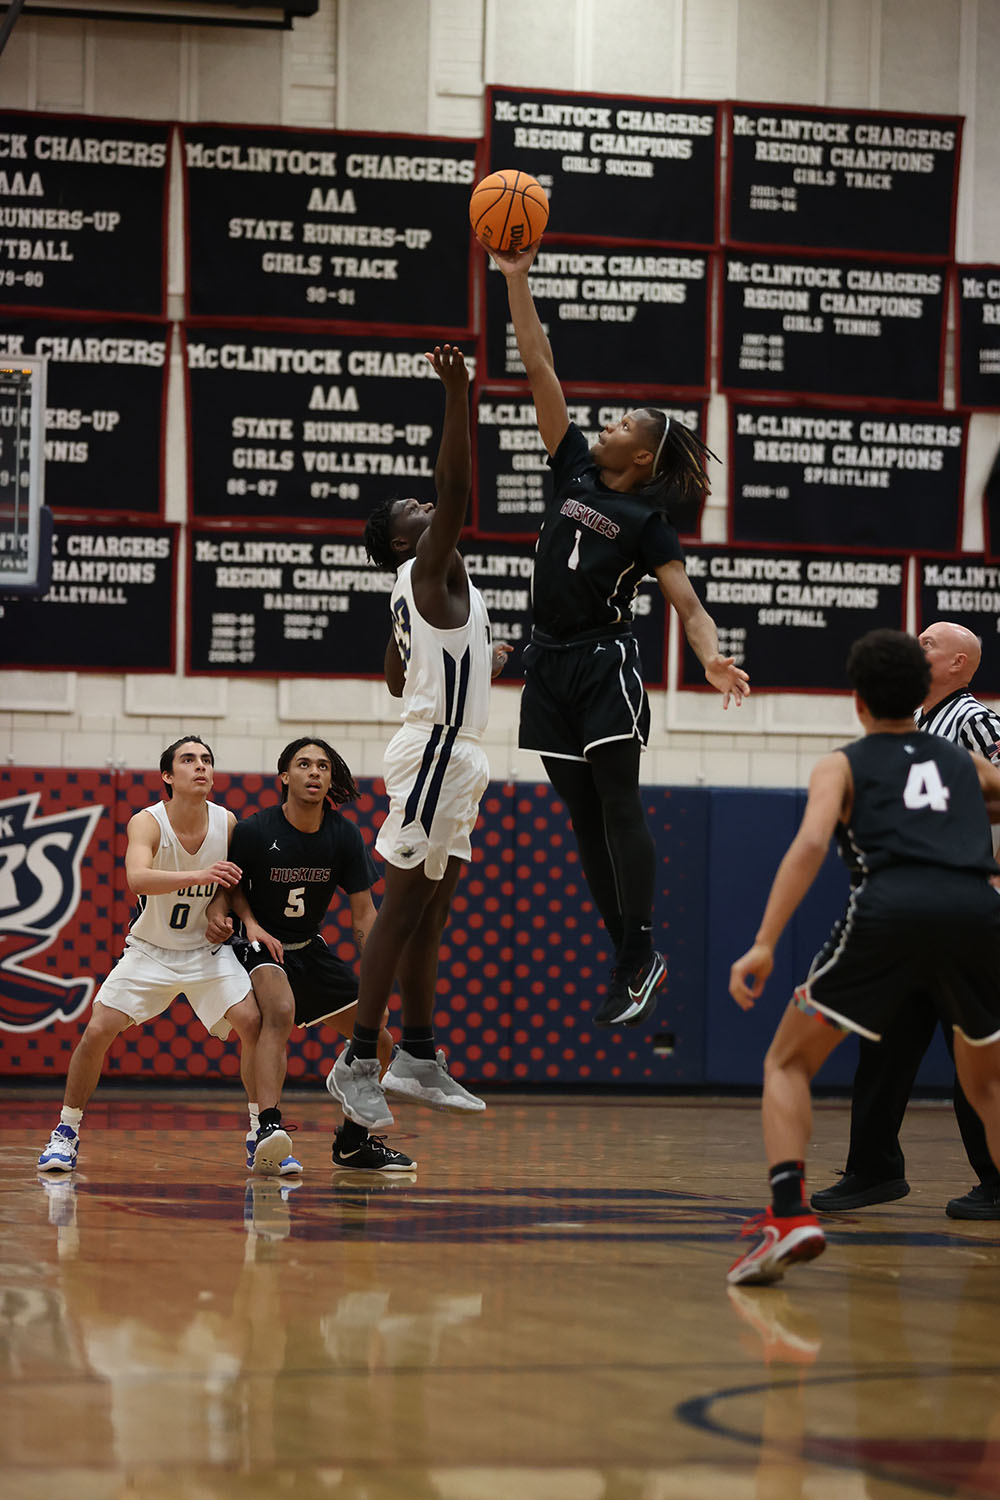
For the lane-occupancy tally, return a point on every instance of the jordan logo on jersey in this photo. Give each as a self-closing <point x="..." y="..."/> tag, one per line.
<point x="39" y="892"/>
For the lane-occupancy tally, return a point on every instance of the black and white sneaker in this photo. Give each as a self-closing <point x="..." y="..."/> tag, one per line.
<point x="372" y="1155"/>
<point x="272" y="1147"/>
<point x="632" y="993"/>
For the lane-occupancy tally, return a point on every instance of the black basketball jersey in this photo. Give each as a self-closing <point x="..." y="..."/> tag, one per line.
<point x="917" y="800"/>
<point x="289" y="877"/>
<point x="595" y="546"/>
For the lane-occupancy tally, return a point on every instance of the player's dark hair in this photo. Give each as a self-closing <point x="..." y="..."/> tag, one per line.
<point x="679" y="461"/>
<point x="379" y="532"/>
<point x="342" y="788"/>
<point x="167" y="758"/>
<point x="889" y="672"/>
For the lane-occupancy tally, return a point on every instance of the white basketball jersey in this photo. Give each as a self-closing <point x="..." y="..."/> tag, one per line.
<point x="448" y="672"/>
<point x="177" y="918"/>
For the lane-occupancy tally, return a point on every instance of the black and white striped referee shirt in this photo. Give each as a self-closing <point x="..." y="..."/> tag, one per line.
<point x="962" y="719"/>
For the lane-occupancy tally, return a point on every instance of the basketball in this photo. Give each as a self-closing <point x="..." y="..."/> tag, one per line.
<point x="508" y="210"/>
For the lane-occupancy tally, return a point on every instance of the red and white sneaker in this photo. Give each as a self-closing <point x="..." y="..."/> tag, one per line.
<point x="780" y="1243"/>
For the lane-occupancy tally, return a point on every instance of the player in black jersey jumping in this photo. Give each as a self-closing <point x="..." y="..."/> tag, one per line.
<point x="584" y="708"/>
<point x="293" y="857"/>
<point x="909" y="813"/>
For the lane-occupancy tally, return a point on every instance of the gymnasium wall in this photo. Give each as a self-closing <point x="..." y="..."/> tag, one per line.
<point x="420" y="66"/>
<point x="521" y="964"/>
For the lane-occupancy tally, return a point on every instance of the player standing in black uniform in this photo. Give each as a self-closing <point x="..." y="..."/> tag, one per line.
<point x="294" y="856"/>
<point x="876" y="1168"/>
<point x="584" y="708"/>
<point x="908" y="811"/>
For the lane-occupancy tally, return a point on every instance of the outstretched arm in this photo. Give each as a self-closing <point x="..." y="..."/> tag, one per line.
<point x="703" y="638"/>
<point x="534" y="346"/>
<point x="453" y="471"/>
<point x="830" y="789"/>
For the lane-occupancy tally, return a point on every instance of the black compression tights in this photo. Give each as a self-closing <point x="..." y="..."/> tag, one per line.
<point x="616" y="848"/>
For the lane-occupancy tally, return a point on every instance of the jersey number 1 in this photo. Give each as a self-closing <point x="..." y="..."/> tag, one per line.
<point x="924" y="788"/>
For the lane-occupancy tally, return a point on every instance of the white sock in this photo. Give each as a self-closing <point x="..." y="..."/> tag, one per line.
<point x="71" y="1117"/>
<point x="254" y="1117"/>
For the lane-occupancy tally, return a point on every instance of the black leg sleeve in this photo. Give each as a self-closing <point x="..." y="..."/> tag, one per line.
<point x="574" y="781"/>
<point x="971" y="1128"/>
<point x="881" y="1091"/>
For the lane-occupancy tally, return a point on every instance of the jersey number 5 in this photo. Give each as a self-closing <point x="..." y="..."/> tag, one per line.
<point x="924" y="788"/>
<point x="296" y="903"/>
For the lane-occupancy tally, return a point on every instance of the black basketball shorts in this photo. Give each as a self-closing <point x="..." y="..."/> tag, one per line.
<point x="911" y="929"/>
<point x="321" y="984"/>
<point x="580" y="696"/>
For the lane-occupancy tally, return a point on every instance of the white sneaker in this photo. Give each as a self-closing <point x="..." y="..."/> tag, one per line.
<point x="428" y="1081"/>
<point x="60" y="1153"/>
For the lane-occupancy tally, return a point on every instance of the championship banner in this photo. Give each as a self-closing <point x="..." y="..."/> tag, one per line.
<point x="83" y="209"/>
<point x="296" y="605"/>
<point x="836" y="179"/>
<point x="332" y="226"/>
<point x="106" y="393"/>
<point x="832" y="326"/>
<point x="978" y="357"/>
<point x="110" y="607"/>
<point x="629" y="316"/>
<point x="309" y="426"/>
<point x="615" y="167"/>
<point x="965" y="590"/>
<point x="837" y="477"/>
<point x="512" y="472"/>
<point x="790" y="617"/>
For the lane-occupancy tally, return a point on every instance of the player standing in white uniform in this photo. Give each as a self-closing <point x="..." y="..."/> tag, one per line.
<point x="176" y="856"/>
<point x="439" y="660"/>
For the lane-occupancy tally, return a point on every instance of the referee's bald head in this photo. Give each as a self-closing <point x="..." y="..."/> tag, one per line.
<point x="953" y="651"/>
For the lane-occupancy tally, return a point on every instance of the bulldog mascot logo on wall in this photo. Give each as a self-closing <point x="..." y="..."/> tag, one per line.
<point x="39" y="892"/>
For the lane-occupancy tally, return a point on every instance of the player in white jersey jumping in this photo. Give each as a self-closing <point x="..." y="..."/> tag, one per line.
<point x="176" y="856"/>
<point x="439" y="660"/>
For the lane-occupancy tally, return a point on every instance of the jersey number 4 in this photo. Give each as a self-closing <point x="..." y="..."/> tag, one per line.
<point x="924" y="788"/>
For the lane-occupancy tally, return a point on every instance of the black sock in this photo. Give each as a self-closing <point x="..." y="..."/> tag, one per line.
<point x="270" y="1117"/>
<point x="788" y="1189"/>
<point x="364" y="1042"/>
<point x="418" y="1041"/>
<point x="352" y="1135"/>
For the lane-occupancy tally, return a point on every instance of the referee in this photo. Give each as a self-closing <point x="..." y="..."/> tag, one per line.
<point x="875" y="1171"/>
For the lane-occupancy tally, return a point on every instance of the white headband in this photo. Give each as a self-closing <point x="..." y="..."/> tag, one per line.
<point x="659" y="450"/>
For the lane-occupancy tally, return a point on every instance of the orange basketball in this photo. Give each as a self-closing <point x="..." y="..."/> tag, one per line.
<point x="508" y="210"/>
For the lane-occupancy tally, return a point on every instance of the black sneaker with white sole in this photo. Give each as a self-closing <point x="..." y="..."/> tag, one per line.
<point x="372" y="1155"/>
<point x="632" y="993"/>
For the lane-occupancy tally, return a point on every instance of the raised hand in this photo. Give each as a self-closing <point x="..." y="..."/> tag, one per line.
<point x="515" y="262"/>
<point x="449" y="364"/>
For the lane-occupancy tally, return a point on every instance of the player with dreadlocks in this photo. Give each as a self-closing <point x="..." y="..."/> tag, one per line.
<point x="293" y="857"/>
<point x="584" y="708"/>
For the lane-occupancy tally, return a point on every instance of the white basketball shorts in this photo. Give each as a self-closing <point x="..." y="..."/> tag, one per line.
<point x="435" y="779"/>
<point x="147" y="979"/>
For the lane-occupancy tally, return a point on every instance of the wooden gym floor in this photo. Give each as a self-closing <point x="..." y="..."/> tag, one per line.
<point x="540" y="1313"/>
